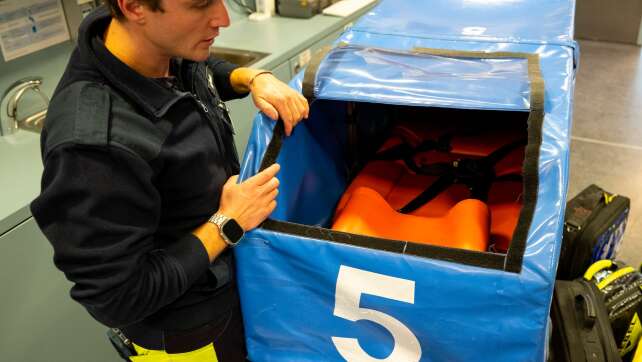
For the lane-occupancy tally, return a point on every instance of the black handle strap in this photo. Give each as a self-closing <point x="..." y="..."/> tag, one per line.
<point x="586" y="307"/>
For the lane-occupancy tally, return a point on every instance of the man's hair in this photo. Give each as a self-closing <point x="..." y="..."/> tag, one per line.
<point x="154" y="5"/>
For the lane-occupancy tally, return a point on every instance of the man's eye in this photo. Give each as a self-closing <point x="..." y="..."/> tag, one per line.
<point x="202" y="4"/>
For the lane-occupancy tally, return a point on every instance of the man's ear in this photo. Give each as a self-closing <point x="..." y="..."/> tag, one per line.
<point x="133" y="10"/>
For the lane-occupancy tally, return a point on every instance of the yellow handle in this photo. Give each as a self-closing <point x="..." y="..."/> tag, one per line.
<point x="613" y="276"/>
<point x="596" y="267"/>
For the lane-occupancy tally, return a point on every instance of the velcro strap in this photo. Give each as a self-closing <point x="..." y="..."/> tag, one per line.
<point x="310" y="75"/>
<point x="91" y="126"/>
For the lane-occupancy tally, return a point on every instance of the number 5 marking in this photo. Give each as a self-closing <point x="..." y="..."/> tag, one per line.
<point x="351" y="283"/>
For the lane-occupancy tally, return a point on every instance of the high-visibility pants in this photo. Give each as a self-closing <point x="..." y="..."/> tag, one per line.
<point x="204" y="354"/>
<point x="228" y="346"/>
<point x="638" y="352"/>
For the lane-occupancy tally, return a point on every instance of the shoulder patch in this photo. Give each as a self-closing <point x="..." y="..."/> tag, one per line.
<point x="92" y="116"/>
<point x="78" y="113"/>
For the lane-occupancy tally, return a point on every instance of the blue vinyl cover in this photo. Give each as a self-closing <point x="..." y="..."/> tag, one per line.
<point x="411" y="79"/>
<point x="306" y="299"/>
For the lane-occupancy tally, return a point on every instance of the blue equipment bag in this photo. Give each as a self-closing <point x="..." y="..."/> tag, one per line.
<point x="310" y="293"/>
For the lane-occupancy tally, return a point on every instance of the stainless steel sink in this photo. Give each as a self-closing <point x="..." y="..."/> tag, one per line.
<point x="243" y="58"/>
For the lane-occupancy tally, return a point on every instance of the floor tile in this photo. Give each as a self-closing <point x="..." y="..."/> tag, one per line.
<point x="608" y="94"/>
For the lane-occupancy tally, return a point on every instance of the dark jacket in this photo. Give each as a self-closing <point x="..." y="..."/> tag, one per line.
<point x="132" y="167"/>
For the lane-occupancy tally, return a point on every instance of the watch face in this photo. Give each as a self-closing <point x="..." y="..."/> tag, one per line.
<point x="233" y="231"/>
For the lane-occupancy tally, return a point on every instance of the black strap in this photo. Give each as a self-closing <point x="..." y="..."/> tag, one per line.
<point x="428" y="194"/>
<point x="310" y="75"/>
<point x="274" y="147"/>
<point x="477" y="174"/>
<point x="404" y="151"/>
<point x="497" y="155"/>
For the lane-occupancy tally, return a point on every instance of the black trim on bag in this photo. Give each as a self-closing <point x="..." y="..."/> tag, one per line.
<point x="272" y="151"/>
<point x="512" y="261"/>
<point x="469" y="257"/>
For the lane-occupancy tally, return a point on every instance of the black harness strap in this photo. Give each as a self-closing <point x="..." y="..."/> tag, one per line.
<point x="404" y="151"/>
<point x="428" y="194"/>
<point x="477" y="174"/>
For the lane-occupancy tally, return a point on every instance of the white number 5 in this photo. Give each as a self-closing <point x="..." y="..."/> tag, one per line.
<point x="351" y="283"/>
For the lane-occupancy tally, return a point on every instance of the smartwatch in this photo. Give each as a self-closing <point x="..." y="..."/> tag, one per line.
<point x="231" y="232"/>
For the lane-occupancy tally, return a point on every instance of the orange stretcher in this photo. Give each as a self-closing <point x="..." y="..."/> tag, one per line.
<point x="464" y="226"/>
<point x="388" y="203"/>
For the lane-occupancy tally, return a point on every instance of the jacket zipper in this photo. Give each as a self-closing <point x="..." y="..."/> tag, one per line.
<point x="214" y="119"/>
<point x="203" y="106"/>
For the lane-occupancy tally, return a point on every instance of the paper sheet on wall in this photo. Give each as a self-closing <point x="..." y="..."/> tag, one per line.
<point x="27" y="26"/>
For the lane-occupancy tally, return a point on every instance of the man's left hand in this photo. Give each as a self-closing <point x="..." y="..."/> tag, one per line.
<point x="271" y="96"/>
<point x="275" y="98"/>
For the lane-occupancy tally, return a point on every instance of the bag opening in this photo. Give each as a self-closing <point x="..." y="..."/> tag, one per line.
<point x="444" y="182"/>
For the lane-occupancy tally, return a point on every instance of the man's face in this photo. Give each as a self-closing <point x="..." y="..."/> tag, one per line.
<point x="186" y="28"/>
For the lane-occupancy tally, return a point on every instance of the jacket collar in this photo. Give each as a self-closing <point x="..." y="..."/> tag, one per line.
<point x="148" y="94"/>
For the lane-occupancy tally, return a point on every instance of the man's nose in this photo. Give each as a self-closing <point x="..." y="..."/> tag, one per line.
<point x="220" y="16"/>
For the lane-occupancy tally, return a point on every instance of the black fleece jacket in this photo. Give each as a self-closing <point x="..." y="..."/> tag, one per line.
<point x="131" y="168"/>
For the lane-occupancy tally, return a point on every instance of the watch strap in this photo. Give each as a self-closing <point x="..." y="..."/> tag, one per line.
<point x="219" y="220"/>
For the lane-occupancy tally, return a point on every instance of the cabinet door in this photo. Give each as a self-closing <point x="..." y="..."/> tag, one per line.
<point x="283" y="72"/>
<point x="38" y="319"/>
<point x="242" y="112"/>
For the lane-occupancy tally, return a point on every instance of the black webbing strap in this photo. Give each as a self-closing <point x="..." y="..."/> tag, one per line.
<point x="430" y="193"/>
<point x="274" y="147"/>
<point x="476" y="173"/>
<point x="310" y="75"/>
<point x="405" y="152"/>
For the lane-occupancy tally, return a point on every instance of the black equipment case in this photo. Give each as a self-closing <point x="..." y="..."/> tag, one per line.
<point x="593" y="228"/>
<point x="581" y="328"/>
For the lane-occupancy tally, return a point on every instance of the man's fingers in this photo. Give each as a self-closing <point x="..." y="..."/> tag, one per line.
<point x="286" y="116"/>
<point x="303" y="105"/>
<point x="264" y="176"/>
<point x="297" y="111"/>
<point x="268" y="109"/>
<point x="269" y="186"/>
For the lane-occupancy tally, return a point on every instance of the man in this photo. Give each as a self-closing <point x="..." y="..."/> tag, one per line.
<point x="139" y="197"/>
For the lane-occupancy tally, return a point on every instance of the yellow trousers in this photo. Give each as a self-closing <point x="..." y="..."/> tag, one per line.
<point x="638" y="353"/>
<point x="204" y="354"/>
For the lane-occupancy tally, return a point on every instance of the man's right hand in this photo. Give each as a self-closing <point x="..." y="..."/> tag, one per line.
<point x="251" y="201"/>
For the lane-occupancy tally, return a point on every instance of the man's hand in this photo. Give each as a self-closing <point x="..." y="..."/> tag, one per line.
<point x="251" y="201"/>
<point x="271" y="96"/>
<point x="275" y="98"/>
